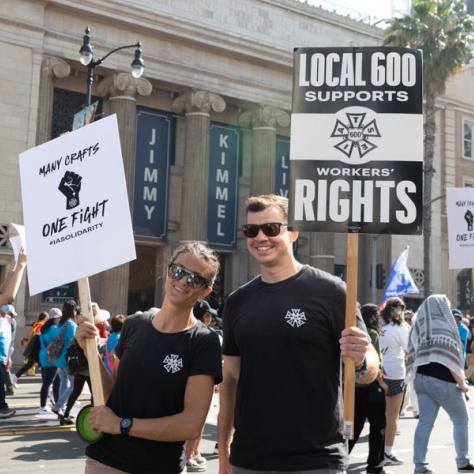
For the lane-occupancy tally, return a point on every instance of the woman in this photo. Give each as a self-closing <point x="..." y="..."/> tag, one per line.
<point x="370" y="400"/>
<point x="48" y="370"/>
<point x="165" y="368"/>
<point x="62" y="333"/>
<point x="394" y="343"/>
<point x="435" y="359"/>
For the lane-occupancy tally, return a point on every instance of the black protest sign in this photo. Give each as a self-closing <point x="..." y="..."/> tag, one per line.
<point x="356" y="154"/>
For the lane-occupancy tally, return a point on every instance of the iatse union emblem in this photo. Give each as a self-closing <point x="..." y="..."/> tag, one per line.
<point x="355" y="134"/>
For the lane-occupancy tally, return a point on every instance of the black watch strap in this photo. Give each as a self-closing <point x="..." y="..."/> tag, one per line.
<point x="125" y="426"/>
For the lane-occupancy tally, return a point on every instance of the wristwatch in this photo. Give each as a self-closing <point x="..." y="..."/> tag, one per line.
<point x="125" y="426"/>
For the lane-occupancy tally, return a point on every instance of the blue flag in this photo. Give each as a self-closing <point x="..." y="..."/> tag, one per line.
<point x="400" y="281"/>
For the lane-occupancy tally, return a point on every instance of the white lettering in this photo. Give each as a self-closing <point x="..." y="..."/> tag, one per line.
<point x="151" y="176"/>
<point x="149" y="211"/>
<point x="221" y="211"/>
<point x="222" y="194"/>
<point x="305" y="191"/>
<point x="150" y="195"/>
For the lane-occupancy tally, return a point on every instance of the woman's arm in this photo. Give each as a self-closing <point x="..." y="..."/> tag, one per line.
<point x="184" y="425"/>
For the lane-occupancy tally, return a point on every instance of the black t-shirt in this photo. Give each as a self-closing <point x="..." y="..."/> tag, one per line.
<point x="288" y="412"/>
<point x="151" y="381"/>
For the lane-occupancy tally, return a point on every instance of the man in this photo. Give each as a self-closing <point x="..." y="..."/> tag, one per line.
<point x="282" y="348"/>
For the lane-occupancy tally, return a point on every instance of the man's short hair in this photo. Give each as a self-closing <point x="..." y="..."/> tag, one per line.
<point x="264" y="201"/>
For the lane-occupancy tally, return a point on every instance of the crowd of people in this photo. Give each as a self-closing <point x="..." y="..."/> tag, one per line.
<point x="160" y="368"/>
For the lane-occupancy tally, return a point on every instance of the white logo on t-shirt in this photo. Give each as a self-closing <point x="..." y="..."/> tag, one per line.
<point x="173" y="363"/>
<point x="295" y="317"/>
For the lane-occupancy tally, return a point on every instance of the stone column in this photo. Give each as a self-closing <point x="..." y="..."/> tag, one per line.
<point x="51" y="67"/>
<point x="263" y="120"/>
<point x="322" y="250"/>
<point x="197" y="106"/>
<point x="121" y="90"/>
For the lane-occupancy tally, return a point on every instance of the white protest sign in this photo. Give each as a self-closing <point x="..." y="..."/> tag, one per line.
<point x="75" y="206"/>
<point x="460" y="207"/>
<point x="18" y="241"/>
<point x="356" y="150"/>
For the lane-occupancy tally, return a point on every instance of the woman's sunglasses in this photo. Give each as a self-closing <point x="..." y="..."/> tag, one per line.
<point x="193" y="280"/>
<point x="270" y="229"/>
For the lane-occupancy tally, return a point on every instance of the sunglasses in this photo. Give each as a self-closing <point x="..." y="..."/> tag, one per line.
<point x="193" y="280"/>
<point x="270" y="229"/>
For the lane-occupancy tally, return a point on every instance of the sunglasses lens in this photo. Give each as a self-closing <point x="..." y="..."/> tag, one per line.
<point x="271" y="230"/>
<point x="250" y="230"/>
<point x="192" y="280"/>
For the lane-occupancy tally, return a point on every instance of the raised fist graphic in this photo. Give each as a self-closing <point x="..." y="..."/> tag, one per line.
<point x="469" y="219"/>
<point x="70" y="186"/>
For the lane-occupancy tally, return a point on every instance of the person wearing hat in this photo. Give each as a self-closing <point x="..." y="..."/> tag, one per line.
<point x="463" y="330"/>
<point x="6" y="344"/>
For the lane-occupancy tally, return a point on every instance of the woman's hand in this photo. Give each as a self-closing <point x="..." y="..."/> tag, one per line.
<point x="85" y="330"/>
<point x="104" y="420"/>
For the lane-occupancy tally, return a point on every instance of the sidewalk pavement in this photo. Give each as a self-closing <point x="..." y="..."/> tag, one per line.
<point x="32" y="443"/>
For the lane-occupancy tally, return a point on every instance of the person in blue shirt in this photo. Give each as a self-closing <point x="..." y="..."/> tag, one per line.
<point x="65" y="328"/>
<point x="116" y="324"/>
<point x="463" y="331"/>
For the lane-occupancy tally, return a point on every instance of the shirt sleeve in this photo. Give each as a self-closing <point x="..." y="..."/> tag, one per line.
<point x="229" y="345"/>
<point x="123" y="337"/>
<point x="206" y="358"/>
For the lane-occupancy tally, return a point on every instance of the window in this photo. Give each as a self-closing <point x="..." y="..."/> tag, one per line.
<point x="468" y="140"/>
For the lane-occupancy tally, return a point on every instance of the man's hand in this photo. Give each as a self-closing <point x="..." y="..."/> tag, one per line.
<point x="104" y="420"/>
<point x="354" y="344"/>
<point x="70" y="186"/>
<point x="85" y="330"/>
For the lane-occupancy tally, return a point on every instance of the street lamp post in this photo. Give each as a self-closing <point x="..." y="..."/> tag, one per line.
<point x="87" y="59"/>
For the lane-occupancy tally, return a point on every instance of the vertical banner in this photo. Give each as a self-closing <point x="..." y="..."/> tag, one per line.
<point x="155" y="130"/>
<point x="460" y="206"/>
<point x="223" y="185"/>
<point x="282" y="166"/>
<point x="357" y="140"/>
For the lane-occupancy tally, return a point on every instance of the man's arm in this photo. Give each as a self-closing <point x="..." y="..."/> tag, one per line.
<point x="184" y="425"/>
<point x="10" y="285"/>
<point x="228" y="391"/>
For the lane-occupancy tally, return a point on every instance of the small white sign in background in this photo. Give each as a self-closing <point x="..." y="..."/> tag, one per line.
<point x="75" y="206"/>
<point x="460" y="204"/>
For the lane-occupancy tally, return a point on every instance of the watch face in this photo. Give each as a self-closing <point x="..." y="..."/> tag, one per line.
<point x="125" y="423"/>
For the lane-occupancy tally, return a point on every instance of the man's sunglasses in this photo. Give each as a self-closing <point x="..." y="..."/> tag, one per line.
<point x="193" y="280"/>
<point x="270" y="229"/>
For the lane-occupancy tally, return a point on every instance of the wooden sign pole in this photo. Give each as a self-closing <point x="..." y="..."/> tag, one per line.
<point x="91" y="344"/>
<point x="350" y="320"/>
